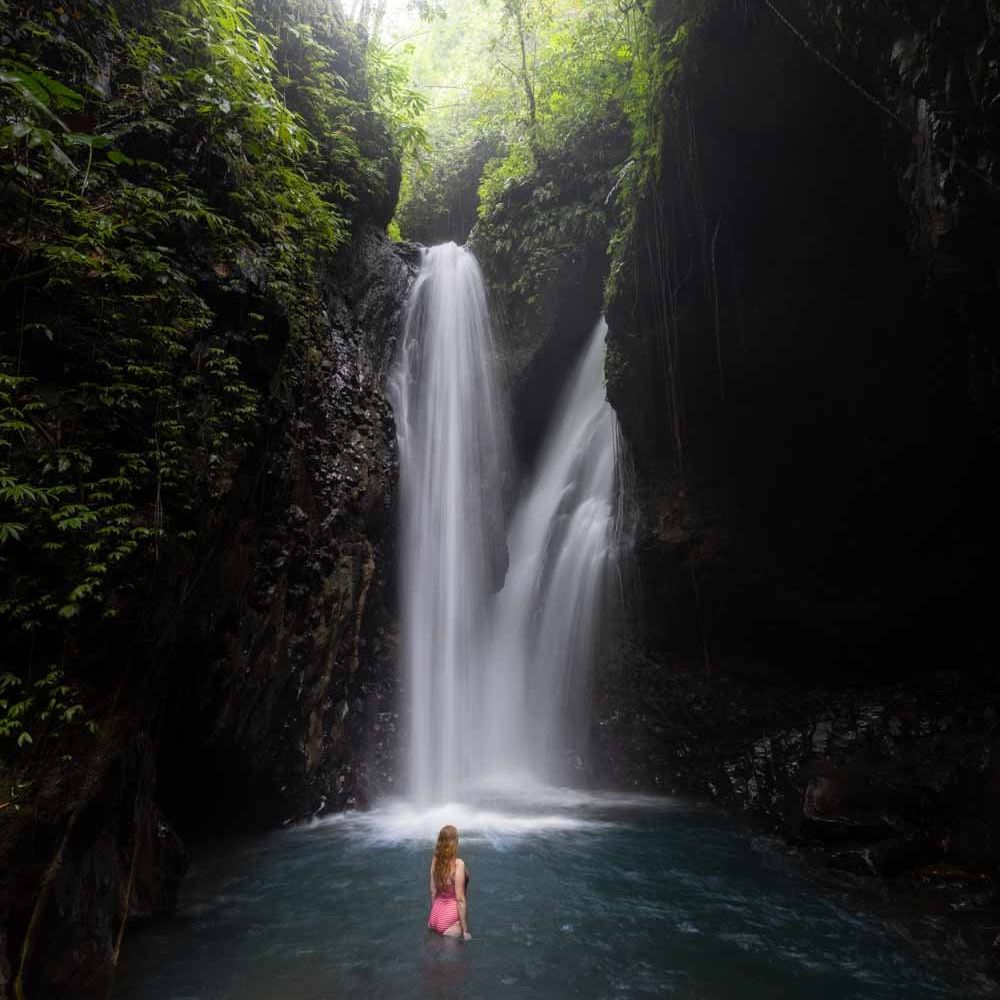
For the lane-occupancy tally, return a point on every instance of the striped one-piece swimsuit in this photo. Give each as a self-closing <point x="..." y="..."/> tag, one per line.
<point x="444" y="910"/>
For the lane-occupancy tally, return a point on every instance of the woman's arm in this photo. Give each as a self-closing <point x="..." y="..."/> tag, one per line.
<point x="463" y="907"/>
<point x="433" y="889"/>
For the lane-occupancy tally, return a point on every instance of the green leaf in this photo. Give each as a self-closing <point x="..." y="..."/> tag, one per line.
<point x="11" y="530"/>
<point x="27" y="85"/>
<point x="87" y="139"/>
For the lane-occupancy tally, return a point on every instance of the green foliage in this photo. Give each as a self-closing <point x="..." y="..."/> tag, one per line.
<point x="427" y="10"/>
<point x="442" y="203"/>
<point x="529" y="76"/>
<point x="535" y="77"/>
<point x="658" y="64"/>
<point x="398" y="104"/>
<point x="172" y="176"/>
<point x="449" y="62"/>
<point x="501" y="173"/>
<point x="541" y="228"/>
<point x="49" y="702"/>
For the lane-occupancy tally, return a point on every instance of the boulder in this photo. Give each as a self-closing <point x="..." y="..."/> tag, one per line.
<point x="844" y="805"/>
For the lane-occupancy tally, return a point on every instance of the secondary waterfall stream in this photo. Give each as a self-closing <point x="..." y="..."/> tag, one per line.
<point x="496" y="681"/>
<point x="562" y="543"/>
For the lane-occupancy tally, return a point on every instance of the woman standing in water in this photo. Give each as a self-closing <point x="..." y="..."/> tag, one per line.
<point x="449" y="878"/>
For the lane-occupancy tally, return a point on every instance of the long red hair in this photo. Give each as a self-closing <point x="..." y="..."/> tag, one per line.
<point x="444" y="854"/>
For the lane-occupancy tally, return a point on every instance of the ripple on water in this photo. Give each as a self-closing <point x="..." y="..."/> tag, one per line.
<point x="578" y="896"/>
<point x="497" y="817"/>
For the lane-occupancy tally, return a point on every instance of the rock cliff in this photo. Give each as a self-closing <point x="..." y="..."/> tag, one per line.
<point x="289" y="625"/>
<point x="802" y="356"/>
<point x="271" y="696"/>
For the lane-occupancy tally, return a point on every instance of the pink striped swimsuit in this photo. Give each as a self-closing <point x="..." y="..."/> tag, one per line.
<point x="444" y="911"/>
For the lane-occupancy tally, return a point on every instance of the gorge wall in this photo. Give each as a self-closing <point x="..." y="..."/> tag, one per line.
<point x="271" y="698"/>
<point x="543" y="249"/>
<point x="805" y="345"/>
<point x="289" y="623"/>
<point x="210" y="389"/>
<point x="803" y="358"/>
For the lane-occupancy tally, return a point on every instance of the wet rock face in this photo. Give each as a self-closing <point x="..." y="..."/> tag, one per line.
<point x="815" y="429"/>
<point x="831" y="339"/>
<point x="92" y="850"/>
<point x="543" y="250"/>
<point x="273" y="695"/>
<point x="279" y="690"/>
<point x="935" y="67"/>
<point x="916" y="761"/>
<point x="295" y="640"/>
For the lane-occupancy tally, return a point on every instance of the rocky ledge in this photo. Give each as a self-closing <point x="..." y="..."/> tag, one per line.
<point x="896" y="786"/>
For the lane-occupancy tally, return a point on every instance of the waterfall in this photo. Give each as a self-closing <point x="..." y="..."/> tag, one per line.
<point x="562" y="543"/>
<point x="495" y="668"/>
<point x="451" y="437"/>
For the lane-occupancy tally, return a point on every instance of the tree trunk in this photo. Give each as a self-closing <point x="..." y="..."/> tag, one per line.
<point x="529" y="90"/>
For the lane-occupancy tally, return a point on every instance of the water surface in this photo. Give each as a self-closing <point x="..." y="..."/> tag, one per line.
<point x="596" y="898"/>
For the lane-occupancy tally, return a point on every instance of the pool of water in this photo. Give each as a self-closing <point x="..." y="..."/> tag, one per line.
<point x="596" y="897"/>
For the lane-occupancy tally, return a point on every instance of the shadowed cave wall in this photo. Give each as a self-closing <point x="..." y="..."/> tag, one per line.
<point x="803" y="357"/>
<point x="800" y="360"/>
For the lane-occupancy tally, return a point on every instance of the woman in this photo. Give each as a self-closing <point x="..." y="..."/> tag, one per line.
<point x="449" y="878"/>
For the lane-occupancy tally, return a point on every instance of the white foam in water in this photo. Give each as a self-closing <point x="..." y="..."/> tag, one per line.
<point x="401" y="822"/>
<point x="535" y="810"/>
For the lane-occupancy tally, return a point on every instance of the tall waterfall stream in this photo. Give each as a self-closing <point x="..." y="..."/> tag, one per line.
<point x="573" y="894"/>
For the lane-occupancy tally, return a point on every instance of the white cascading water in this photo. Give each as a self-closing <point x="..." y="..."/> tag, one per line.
<point x="562" y="543"/>
<point x="451" y="437"/>
<point x="496" y="681"/>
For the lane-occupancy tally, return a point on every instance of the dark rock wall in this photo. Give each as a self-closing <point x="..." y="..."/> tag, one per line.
<point x="290" y="633"/>
<point x="897" y="783"/>
<point x="86" y="850"/>
<point x="271" y="696"/>
<point x="804" y="358"/>
<point x="543" y="252"/>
